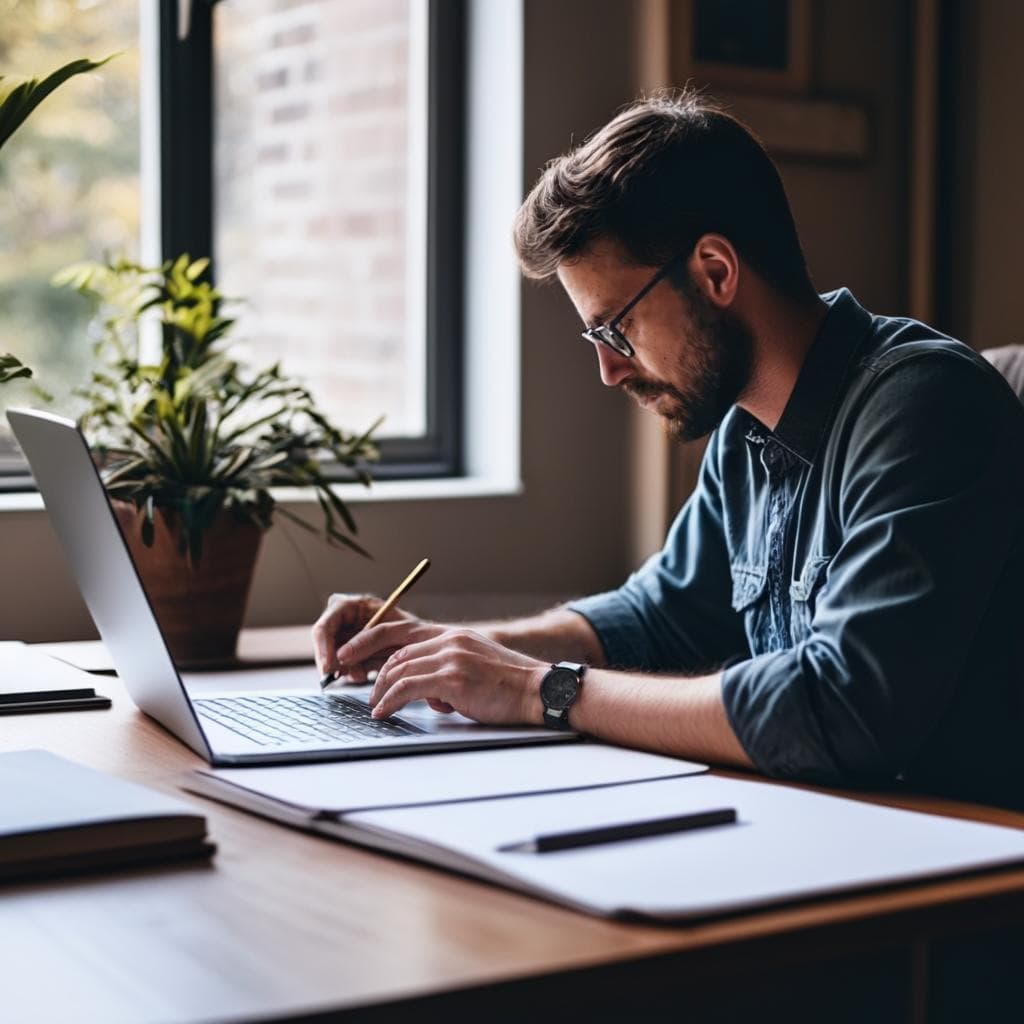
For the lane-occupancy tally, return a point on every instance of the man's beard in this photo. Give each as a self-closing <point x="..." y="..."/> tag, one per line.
<point x="715" y="360"/>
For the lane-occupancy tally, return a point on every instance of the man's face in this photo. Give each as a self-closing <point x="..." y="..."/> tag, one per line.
<point x="692" y="360"/>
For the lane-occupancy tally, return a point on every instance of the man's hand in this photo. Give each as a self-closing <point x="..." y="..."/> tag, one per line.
<point x="453" y="669"/>
<point x="344" y="616"/>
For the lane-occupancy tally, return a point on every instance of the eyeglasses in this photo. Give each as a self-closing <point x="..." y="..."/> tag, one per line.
<point x="609" y="333"/>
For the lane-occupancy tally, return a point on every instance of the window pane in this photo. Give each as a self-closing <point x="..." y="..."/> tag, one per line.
<point x="69" y="184"/>
<point x="320" y="196"/>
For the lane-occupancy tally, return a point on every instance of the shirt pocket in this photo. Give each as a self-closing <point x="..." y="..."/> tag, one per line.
<point x="803" y="594"/>
<point x="750" y="599"/>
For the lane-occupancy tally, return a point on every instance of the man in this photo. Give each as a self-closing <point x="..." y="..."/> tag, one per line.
<point x="838" y="600"/>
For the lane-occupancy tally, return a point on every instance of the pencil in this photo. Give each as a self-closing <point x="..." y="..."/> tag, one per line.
<point x="390" y="603"/>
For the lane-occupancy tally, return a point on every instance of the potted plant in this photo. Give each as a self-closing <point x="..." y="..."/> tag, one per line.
<point x="190" y="442"/>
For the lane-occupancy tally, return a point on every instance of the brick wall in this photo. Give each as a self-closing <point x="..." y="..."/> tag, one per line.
<point x="314" y="164"/>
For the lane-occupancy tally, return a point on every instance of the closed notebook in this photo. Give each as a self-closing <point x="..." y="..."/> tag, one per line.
<point x="33" y="681"/>
<point x="58" y="817"/>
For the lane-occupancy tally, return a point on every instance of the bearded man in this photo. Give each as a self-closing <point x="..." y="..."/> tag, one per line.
<point x="837" y="601"/>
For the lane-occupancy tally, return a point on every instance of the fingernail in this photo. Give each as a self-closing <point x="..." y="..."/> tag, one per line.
<point x="375" y="713"/>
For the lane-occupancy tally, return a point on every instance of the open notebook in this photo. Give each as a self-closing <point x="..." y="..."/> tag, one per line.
<point x="461" y="811"/>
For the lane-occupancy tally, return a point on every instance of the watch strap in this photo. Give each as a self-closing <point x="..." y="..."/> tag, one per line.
<point x="557" y="719"/>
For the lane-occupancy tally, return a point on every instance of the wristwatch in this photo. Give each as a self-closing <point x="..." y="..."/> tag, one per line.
<point x="558" y="690"/>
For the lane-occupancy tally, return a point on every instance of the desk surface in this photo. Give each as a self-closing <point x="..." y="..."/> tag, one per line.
<point x="282" y="922"/>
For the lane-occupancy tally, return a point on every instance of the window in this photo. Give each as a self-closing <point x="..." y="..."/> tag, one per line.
<point x="327" y="184"/>
<point x="314" y="149"/>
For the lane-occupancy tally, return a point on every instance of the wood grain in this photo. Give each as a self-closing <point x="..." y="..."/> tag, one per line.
<point x="283" y="922"/>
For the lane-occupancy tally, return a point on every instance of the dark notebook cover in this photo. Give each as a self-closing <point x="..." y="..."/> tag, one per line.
<point x="58" y="817"/>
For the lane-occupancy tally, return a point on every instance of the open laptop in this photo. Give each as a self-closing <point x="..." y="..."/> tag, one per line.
<point x="234" y="727"/>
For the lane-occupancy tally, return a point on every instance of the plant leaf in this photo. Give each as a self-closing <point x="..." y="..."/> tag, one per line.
<point x="20" y="96"/>
<point x="12" y="368"/>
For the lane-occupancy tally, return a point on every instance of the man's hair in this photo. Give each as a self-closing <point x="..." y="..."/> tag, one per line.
<point x="663" y="172"/>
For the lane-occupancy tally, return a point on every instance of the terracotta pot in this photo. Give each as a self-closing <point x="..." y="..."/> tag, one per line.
<point x="200" y="608"/>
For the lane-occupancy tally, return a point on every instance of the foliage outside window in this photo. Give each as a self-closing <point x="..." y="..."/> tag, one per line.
<point x="69" y="183"/>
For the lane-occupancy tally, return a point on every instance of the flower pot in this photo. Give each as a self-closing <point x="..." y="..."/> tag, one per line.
<point x="200" y="608"/>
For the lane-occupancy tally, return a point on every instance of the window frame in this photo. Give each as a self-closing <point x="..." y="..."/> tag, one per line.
<point x="187" y="199"/>
<point x="186" y="204"/>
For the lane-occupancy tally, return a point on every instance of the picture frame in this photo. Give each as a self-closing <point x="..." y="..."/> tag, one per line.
<point x="754" y="46"/>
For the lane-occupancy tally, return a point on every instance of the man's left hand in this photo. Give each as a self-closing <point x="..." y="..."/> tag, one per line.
<point x="453" y="670"/>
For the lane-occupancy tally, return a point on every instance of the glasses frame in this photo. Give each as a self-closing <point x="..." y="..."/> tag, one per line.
<point x="608" y="334"/>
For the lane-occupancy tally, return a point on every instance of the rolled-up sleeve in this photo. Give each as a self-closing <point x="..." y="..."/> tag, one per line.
<point x="929" y="508"/>
<point x="675" y="612"/>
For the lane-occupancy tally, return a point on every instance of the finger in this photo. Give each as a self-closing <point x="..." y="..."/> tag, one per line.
<point x="387" y="635"/>
<point x="426" y="687"/>
<point x="361" y="673"/>
<point x="344" y="614"/>
<point x="344" y="617"/>
<point x="416" y="659"/>
<point x="440" y="705"/>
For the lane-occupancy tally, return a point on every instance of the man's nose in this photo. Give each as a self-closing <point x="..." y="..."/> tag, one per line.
<point x="615" y="367"/>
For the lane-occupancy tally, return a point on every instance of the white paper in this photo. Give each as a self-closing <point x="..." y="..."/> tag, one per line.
<point x="788" y="844"/>
<point x="87" y="655"/>
<point x="344" y="786"/>
<point x="24" y="669"/>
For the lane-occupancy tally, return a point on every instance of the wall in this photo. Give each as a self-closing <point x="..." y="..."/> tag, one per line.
<point x="985" y="166"/>
<point x="852" y="217"/>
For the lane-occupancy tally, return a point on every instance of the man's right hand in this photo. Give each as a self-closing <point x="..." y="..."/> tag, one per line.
<point x="344" y="616"/>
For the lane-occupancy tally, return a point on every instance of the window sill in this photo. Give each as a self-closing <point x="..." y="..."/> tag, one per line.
<point x="443" y="489"/>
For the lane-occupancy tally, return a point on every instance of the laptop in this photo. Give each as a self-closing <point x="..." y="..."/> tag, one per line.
<point x="236" y="727"/>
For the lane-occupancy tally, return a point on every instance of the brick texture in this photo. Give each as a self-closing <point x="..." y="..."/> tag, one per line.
<point x="314" y="223"/>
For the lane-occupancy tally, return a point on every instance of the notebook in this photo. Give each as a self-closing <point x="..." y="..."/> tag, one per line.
<point x="31" y="681"/>
<point x="58" y="817"/>
<point x="786" y="845"/>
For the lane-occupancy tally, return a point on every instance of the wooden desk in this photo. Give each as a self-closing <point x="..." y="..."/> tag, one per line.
<point x="287" y="925"/>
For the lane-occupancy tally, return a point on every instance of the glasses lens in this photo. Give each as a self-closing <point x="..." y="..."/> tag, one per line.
<point x="605" y="335"/>
<point x="613" y="339"/>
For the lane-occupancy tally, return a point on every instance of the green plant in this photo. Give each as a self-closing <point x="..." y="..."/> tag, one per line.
<point x="193" y="430"/>
<point x="11" y="368"/>
<point x="18" y="98"/>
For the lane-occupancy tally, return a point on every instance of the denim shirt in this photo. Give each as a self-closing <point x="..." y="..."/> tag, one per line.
<point x="856" y="571"/>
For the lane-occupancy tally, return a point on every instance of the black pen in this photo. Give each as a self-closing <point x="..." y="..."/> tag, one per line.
<point x="616" y="833"/>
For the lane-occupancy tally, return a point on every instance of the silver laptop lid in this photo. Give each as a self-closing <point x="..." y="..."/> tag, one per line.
<point x="81" y="514"/>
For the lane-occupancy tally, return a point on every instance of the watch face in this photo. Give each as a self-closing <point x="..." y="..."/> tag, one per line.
<point x="559" y="688"/>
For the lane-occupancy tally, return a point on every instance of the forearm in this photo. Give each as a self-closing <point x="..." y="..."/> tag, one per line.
<point x="554" y="635"/>
<point x="668" y="715"/>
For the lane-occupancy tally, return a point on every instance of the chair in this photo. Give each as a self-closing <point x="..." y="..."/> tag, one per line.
<point x="1009" y="361"/>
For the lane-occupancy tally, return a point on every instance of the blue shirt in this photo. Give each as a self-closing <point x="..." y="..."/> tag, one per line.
<point x="856" y="571"/>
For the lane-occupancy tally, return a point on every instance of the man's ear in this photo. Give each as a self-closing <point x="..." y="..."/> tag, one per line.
<point x="715" y="267"/>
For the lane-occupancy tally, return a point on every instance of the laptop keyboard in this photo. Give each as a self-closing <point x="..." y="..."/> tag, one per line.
<point x="273" y="720"/>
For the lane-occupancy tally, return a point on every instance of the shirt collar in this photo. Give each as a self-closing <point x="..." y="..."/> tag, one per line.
<point x="822" y="377"/>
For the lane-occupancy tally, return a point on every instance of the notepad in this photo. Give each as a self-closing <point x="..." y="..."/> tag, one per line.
<point x="478" y="817"/>
<point x="787" y="845"/>
<point x="58" y="817"/>
<point x="31" y="681"/>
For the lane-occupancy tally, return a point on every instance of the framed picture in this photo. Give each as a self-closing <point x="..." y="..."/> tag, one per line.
<point x="761" y="46"/>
